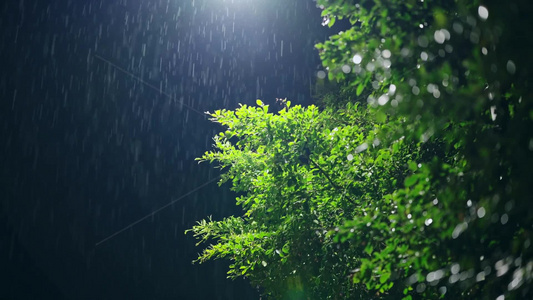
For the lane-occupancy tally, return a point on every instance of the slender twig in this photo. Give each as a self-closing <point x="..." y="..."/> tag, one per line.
<point x="326" y="175"/>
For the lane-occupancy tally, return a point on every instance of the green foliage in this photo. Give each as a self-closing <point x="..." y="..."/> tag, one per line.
<point x="301" y="173"/>
<point x="460" y="80"/>
<point x="421" y="192"/>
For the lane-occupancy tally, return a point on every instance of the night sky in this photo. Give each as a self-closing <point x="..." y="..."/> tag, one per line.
<point x="101" y="117"/>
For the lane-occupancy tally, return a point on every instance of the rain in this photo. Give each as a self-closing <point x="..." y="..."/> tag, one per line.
<point x="101" y="118"/>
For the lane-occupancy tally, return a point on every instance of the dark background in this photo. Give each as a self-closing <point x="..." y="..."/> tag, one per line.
<point x="86" y="149"/>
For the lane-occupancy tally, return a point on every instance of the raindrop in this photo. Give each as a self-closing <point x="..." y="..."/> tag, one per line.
<point x="458" y="27"/>
<point x="471" y="21"/>
<point x="459" y="229"/>
<point x="346" y="69"/>
<point x="421" y="287"/>
<point x="504" y="219"/>
<point x="412" y="279"/>
<point x="349" y="157"/>
<point x="501" y="267"/>
<point x="383" y="99"/>
<point x="357" y="59"/>
<point x="428" y="222"/>
<point x="454" y="278"/>
<point x="518" y="262"/>
<point x="423" y="41"/>
<point x="325" y="20"/>
<point x="455" y="268"/>
<point x="511" y="67"/>
<point x="447" y="34"/>
<point x="474" y="37"/>
<point x="371" y="101"/>
<point x="484" y="51"/>
<point x="493" y="114"/>
<point x="481" y="212"/>
<point x="480" y="276"/>
<point x="433" y="276"/>
<point x="361" y="148"/>
<point x="321" y="74"/>
<point x="386" y="53"/>
<point x="483" y="12"/>
<point x="509" y="205"/>
<point x="392" y="89"/>
<point x="518" y="277"/>
<point x="439" y="36"/>
<point x="448" y="48"/>
<point x="442" y="290"/>
<point x="405" y="52"/>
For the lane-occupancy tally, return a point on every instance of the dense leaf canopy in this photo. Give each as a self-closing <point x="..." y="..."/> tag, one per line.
<point x="416" y="183"/>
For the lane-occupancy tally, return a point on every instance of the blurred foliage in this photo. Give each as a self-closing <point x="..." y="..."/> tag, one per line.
<point x="335" y="95"/>
<point x="456" y="74"/>
<point x="412" y="181"/>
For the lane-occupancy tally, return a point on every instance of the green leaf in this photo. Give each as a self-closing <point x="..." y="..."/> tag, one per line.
<point x="381" y="117"/>
<point x="359" y="90"/>
<point x="369" y="249"/>
<point x="285" y="249"/>
<point x="259" y="102"/>
<point x="409" y="181"/>
<point x="384" y="277"/>
<point x="331" y="21"/>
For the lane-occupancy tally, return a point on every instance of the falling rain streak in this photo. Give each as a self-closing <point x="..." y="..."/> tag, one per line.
<point x="102" y="120"/>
